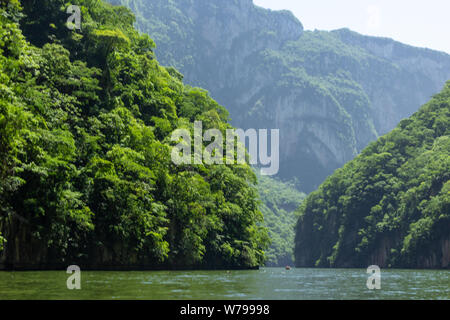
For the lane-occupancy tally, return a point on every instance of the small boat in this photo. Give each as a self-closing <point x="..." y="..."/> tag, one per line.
<point x="288" y="268"/>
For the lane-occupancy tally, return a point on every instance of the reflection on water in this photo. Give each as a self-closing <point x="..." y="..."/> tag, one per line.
<point x="267" y="283"/>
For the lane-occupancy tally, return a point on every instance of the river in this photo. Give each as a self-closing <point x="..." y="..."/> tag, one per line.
<point x="266" y="283"/>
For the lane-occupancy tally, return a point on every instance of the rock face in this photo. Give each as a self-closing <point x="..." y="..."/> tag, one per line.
<point x="418" y="73"/>
<point x="329" y="93"/>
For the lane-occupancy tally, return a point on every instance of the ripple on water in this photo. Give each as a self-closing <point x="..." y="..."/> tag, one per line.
<point x="235" y="295"/>
<point x="270" y="283"/>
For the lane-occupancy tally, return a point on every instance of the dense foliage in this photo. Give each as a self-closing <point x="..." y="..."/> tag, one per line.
<point x="279" y="203"/>
<point x="391" y="205"/>
<point x="86" y="175"/>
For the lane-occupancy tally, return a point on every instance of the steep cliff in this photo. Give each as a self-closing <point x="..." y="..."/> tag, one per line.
<point x="390" y="206"/>
<point x="329" y="93"/>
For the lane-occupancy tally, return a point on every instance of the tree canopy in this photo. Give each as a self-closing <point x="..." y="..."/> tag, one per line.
<point x="86" y="174"/>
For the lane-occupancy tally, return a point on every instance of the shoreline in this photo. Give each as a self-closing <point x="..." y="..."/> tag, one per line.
<point x="120" y="268"/>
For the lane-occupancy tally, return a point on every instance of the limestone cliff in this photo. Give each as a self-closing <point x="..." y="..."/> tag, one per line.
<point x="329" y="93"/>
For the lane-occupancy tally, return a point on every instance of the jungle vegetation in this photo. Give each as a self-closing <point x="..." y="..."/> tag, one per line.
<point x="86" y="175"/>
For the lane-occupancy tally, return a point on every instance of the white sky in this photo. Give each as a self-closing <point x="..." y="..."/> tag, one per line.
<point x="421" y="23"/>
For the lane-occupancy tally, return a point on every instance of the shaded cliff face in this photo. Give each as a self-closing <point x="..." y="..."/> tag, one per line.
<point x="390" y="206"/>
<point x="417" y="74"/>
<point x="329" y="93"/>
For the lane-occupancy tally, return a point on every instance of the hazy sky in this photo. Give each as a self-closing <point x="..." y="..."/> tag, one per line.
<point x="422" y="23"/>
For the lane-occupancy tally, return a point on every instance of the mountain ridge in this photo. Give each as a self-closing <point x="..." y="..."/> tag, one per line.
<point x="330" y="93"/>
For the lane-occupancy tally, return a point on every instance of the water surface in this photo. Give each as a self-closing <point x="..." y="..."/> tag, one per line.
<point x="266" y="283"/>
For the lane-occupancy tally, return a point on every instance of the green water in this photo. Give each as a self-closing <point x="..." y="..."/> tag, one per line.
<point x="267" y="283"/>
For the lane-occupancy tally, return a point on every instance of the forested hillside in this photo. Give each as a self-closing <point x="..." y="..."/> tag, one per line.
<point x="330" y="93"/>
<point x="391" y="205"/>
<point x="86" y="175"/>
<point x="279" y="202"/>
